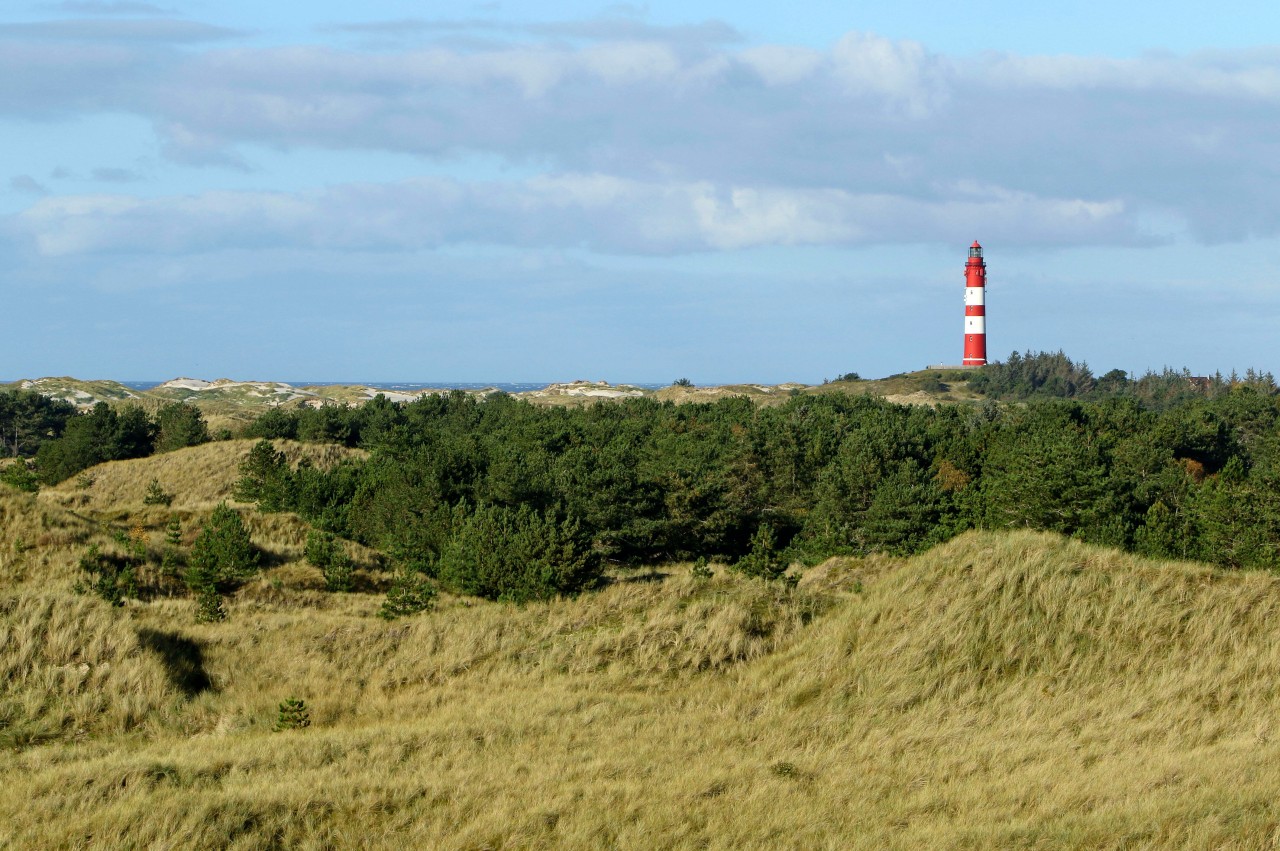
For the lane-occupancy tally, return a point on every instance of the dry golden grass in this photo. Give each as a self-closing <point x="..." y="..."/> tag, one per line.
<point x="73" y="668"/>
<point x="1001" y="691"/>
<point x="42" y="537"/>
<point x="199" y="477"/>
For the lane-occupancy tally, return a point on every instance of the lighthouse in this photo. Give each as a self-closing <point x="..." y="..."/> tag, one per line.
<point x="975" y="308"/>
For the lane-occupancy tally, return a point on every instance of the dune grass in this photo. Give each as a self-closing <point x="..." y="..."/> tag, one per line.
<point x="199" y="477"/>
<point x="1001" y="691"/>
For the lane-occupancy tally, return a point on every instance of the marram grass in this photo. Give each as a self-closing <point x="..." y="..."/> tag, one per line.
<point x="1001" y="691"/>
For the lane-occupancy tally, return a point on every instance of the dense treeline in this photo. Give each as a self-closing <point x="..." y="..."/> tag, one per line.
<point x="1052" y="375"/>
<point x="64" y="441"/>
<point x="501" y="498"/>
<point x="28" y="419"/>
<point x="476" y="491"/>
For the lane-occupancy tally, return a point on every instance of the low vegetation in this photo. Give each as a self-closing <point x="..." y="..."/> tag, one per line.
<point x="1005" y="690"/>
<point x="830" y="622"/>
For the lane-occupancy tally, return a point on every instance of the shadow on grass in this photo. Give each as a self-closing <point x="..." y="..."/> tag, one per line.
<point x="644" y="576"/>
<point x="183" y="660"/>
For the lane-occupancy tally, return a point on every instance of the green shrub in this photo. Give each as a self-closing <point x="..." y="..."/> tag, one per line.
<point x="320" y="548"/>
<point x="179" y="425"/>
<point x="222" y="554"/>
<point x="292" y="715"/>
<point x="763" y="562"/>
<point x="173" y="532"/>
<point x="323" y="551"/>
<point x="209" y="608"/>
<point x="339" y="574"/>
<point x="156" y="495"/>
<point x="112" y="577"/>
<point x="264" y="477"/>
<point x="933" y="384"/>
<point x="18" y="475"/>
<point x="409" y="594"/>
<point x="171" y="560"/>
<point x="516" y="555"/>
<point x="102" y="434"/>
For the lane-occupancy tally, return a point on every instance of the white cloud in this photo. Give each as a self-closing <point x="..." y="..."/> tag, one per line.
<point x="781" y="65"/>
<point x="600" y="212"/>
<point x="902" y="72"/>
<point x="871" y="139"/>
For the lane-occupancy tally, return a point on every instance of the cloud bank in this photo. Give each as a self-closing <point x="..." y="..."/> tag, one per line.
<point x="641" y="140"/>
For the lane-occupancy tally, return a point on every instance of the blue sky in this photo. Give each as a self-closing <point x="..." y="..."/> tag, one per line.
<point x="723" y="191"/>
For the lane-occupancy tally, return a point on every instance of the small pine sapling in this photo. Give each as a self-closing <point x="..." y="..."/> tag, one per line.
<point x="171" y="560"/>
<point x="111" y="577"/>
<point x="292" y="714"/>
<point x="173" y="532"/>
<point x="339" y="573"/>
<point x="324" y="551"/>
<point x="156" y="495"/>
<point x="409" y="594"/>
<point x="763" y="561"/>
<point x="209" y="608"/>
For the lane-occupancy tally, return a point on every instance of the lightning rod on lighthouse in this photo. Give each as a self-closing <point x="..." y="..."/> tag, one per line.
<point x="975" y="308"/>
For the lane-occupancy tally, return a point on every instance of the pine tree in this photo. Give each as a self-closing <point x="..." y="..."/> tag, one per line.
<point x="292" y="714"/>
<point x="763" y="562"/>
<point x="409" y="594"/>
<point x="222" y="555"/>
<point x="156" y="495"/>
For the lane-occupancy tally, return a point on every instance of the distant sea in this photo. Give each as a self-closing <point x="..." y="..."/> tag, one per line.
<point x="410" y="387"/>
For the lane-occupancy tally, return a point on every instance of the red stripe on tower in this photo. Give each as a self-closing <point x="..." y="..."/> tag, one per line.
<point x="975" y="308"/>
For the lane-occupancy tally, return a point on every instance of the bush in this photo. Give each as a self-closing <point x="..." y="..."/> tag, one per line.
<point x="264" y="477"/>
<point x="172" y="559"/>
<point x="156" y="495"/>
<point x="18" y="475"/>
<point x="209" y="608"/>
<point x="763" y="562"/>
<point x="28" y="420"/>
<point x="111" y="577"/>
<point x="292" y="715"/>
<point x="324" y="552"/>
<point x="100" y="435"/>
<point x="320" y="549"/>
<point x="222" y="554"/>
<point x="410" y="593"/>
<point x="516" y="555"/>
<point x="179" y="425"/>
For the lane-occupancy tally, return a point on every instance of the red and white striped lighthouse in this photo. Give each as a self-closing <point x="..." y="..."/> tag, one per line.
<point x="975" y="308"/>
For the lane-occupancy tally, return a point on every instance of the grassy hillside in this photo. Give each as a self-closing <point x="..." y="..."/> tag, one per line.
<point x="198" y="477"/>
<point x="1017" y="690"/>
